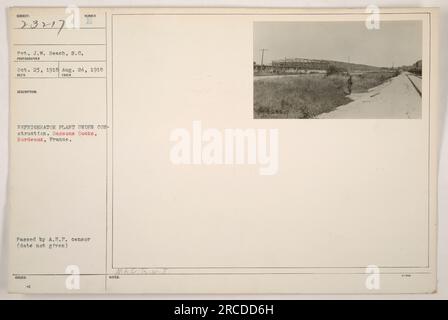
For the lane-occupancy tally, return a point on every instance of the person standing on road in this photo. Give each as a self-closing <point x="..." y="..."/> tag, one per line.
<point x="349" y="84"/>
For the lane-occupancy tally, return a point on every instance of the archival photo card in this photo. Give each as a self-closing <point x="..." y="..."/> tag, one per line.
<point x="337" y="70"/>
<point x="150" y="151"/>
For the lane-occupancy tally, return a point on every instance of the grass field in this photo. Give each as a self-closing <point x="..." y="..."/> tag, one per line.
<point x="308" y="95"/>
<point x="365" y="81"/>
<point x="303" y="96"/>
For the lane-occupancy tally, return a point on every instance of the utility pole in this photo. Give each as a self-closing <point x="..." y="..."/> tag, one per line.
<point x="262" y="56"/>
<point x="348" y="67"/>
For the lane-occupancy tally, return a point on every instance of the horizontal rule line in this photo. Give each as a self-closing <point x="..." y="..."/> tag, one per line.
<point x="207" y="273"/>
<point x="270" y="267"/>
<point x="59" y="44"/>
<point x="60" y="78"/>
<point x="53" y="61"/>
<point x="264" y="14"/>
<point x="81" y="28"/>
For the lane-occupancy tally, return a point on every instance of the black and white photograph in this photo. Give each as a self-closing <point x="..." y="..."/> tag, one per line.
<point x="337" y="70"/>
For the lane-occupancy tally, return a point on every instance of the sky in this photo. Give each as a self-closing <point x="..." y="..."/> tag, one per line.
<point x="396" y="43"/>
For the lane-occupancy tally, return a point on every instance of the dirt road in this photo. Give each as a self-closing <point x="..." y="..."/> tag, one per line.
<point x="397" y="98"/>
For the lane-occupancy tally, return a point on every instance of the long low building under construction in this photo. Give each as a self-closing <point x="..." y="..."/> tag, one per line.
<point x="300" y="64"/>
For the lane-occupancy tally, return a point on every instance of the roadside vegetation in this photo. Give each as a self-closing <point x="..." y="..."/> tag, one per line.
<point x="302" y="97"/>
<point x="308" y="95"/>
<point x="365" y="81"/>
